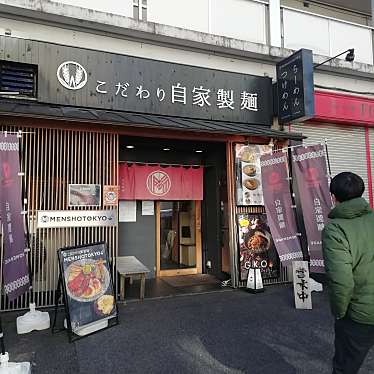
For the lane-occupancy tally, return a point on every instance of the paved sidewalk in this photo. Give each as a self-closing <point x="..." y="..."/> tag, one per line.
<point x="222" y="332"/>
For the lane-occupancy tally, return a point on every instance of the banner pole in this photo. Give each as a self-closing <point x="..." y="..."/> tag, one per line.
<point x="26" y="222"/>
<point x="2" y="337"/>
<point x="328" y="158"/>
<point x="296" y="198"/>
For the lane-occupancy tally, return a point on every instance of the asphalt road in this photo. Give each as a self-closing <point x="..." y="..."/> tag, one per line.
<point x="222" y="332"/>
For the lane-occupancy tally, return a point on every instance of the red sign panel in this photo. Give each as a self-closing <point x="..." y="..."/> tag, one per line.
<point x="144" y="182"/>
<point x="345" y="109"/>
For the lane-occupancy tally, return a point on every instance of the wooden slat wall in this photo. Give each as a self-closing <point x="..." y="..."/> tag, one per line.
<point x="53" y="158"/>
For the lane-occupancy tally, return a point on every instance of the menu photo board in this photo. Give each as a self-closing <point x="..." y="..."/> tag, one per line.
<point x="248" y="174"/>
<point x="84" y="195"/>
<point x="87" y="287"/>
<point x="256" y="246"/>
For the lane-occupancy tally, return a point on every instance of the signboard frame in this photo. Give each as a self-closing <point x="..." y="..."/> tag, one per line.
<point x="112" y="318"/>
<point x="295" y="87"/>
<point x="47" y="219"/>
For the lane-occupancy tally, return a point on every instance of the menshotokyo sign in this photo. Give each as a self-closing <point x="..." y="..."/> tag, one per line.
<point x="312" y="180"/>
<point x="76" y="218"/>
<point x="295" y="87"/>
<point x="86" y="78"/>
<point x="278" y="206"/>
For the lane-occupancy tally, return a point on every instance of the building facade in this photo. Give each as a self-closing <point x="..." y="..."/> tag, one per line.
<point x="97" y="90"/>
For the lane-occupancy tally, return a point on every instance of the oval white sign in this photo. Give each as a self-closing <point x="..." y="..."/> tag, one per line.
<point x="72" y="75"/>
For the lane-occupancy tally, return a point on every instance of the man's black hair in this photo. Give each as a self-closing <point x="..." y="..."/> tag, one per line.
<point x="347" y="186"/>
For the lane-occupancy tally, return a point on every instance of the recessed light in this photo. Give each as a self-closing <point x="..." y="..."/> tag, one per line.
<point x="130" y="147"/>
<point x="166" y="149"/>
<point x="199" y="151"/>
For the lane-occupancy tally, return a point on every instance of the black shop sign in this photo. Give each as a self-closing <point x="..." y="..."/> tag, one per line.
<point x="85" y="78"/>
<point x="295" y="87"/>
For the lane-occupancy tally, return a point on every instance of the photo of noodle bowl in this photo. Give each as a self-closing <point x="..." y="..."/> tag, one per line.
<point x="257" y="241"/>
<point x="247" y="154"/>
<point x="104" y="305"/>
<point x="87" y="280"/>
<point x="251" y="184"/>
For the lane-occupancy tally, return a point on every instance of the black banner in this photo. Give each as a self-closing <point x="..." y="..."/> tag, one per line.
<point x="295" y="87"/>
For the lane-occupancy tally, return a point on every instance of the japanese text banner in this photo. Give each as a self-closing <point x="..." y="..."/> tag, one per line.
<point x="145" y="182"/>
<point x="311" y="174"/>
<point x="278" y="205"/>
<point x="15" y="269"/>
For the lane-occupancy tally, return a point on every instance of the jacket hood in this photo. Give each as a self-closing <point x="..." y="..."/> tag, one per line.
<point x="350" y="209"/>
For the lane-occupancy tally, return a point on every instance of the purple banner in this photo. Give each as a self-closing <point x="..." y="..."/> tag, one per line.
<point x="278" y="205"/>
<point x="312" y="180"/>
<point x="15" y="269"/>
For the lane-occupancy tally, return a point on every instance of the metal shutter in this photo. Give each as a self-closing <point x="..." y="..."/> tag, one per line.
<point x="371" y="142"/>
<point x="346" y="147"/>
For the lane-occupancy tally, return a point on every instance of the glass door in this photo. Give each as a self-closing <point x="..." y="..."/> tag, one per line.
<point x="179" y="238"/>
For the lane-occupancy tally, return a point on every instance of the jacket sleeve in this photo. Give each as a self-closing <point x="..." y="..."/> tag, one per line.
<point x="338" y="265"/>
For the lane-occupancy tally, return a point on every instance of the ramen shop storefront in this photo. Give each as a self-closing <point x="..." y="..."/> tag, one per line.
<point x="95" y="118"/>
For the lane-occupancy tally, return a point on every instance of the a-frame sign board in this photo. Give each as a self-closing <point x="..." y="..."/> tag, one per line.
<point x="85" y="282"/>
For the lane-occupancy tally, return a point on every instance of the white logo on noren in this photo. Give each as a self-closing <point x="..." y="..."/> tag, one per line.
<point x="158" y="183"/>
<point x="72" y="75"/>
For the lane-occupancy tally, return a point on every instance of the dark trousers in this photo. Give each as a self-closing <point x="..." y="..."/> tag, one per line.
<point x="352" y="343"/>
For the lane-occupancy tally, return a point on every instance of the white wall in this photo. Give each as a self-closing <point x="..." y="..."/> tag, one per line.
<point x="239" y="19"/>
<point x="326" y="36"/>
<point x="68" y="37"/>
<point x="191" y="14"/>
<point x="120" y="7"/>
<point x="78" y="39"/>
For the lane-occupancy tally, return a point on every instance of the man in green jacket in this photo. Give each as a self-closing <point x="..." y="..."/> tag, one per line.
<point x="348" y="250"/>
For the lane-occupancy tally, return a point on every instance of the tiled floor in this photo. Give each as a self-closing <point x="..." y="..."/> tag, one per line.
<point x="158" y="287"/>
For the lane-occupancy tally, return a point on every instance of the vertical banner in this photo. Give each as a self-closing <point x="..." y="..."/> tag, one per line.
<point x="15" y="269"/>
<point x="278" y="205"/>
<point x="312" y="180"/>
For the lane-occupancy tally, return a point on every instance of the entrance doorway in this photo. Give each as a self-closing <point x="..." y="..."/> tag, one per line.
<point x="178" y="238"/>
<point x="184" y="237"/>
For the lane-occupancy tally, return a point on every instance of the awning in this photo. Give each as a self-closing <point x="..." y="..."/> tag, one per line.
<point x="47" y="111"/>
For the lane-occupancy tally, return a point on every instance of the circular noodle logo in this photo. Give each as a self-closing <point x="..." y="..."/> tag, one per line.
<point x="45" y="219"/>
<point x="158" y="183"/>
<point x="72" y="75"/>
<point x="111" y="196"/>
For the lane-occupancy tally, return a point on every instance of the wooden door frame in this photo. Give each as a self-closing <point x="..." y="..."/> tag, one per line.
<point x="173" y="272"/>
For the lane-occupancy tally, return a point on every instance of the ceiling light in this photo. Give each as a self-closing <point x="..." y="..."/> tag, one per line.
<point x="199" y="151"/>
<point x="166" y="149"/>
<point x="130" y="147"/>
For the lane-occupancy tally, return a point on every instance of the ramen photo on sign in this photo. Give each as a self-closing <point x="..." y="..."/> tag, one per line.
<point x="84" y="194"/>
